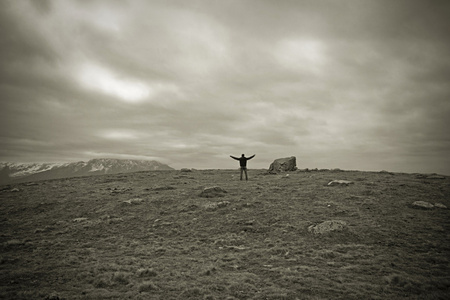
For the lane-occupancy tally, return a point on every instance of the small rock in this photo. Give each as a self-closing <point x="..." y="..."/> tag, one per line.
<point x="53" y="296"/>
<point x="217" y="205"/>
<point x="134" y="201"/>
<point x="212" y="192"/>
<point x="114" y="220"/>
<point x="223" y="203"/>
<point x="429" y="176"/>
<point x="163" y="188"/>
<point x="14" y="243"/>
<point x="340" y="182"/>
<point x="249" y="223"/>
<point x="440" y="205"/>
<point x="5" y="188"/>
<point x="79" y="220"/>
<point x="45" y="229"/>
<point x="327" y="226"/>
<point x="120" y="190"/>
<point x="15" y="190"/>
<point x="422" y="204"/>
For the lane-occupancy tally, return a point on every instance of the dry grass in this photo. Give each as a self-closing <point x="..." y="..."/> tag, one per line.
<point x="149" y="235"/>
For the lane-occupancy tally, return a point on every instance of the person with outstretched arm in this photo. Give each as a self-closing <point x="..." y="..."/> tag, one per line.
<point x="243" y="163"/>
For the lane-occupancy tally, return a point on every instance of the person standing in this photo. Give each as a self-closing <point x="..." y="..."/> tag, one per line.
<point x="243" y="163"/>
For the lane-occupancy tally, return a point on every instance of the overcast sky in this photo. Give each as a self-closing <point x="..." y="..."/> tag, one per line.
<point x="339" y="84"/>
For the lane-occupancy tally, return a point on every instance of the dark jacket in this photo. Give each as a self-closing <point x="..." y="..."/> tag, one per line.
<point x="243" y="160"/>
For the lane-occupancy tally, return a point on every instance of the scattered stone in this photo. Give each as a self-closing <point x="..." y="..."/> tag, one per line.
<point x="237" y="248"/>
<point x="214" y="205"/>
<point x="146" y="272"/>
<point x="134" y="201"/>
<point x="430" y="176"/>
<point x="14" y="243"/>
<point x="160" y="224"/>
<point x="283" y="165"/>
<point x="120" y="190"/>
<point x="223" y="204"/>
<point x="45" y="229"/>
<point x="212" y="192"/>
<point x="249" y="223"/>
<point x="340" y="182"/>
<point x="328" y="226"/>
<point x="79" y="220"/>
<point x="435" y="176"/>
<point x="15" y="190"/>
<point x="5" y="188"/>
<point x="422" y="204"/>
<point x="31" y="184"/>
<point x="163" y="188"/>
<point x="111" y="219"/>
<point x="54" y="296"/>
<point x="440" y="205"/>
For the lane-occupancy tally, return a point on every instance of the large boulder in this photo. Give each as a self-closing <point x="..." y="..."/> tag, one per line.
<point x="283" y="165"/>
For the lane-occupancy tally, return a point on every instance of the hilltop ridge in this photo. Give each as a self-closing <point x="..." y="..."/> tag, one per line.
<point x="11" y="172"/>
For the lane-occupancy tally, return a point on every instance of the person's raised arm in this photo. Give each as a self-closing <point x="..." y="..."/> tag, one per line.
<point x="234" y="157"/>
<point x="251" y="156"/>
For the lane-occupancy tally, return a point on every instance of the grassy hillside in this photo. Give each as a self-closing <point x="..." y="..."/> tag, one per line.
<point x="149" y="235"/>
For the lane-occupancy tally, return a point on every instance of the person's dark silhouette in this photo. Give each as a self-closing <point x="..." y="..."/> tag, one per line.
<point x="243" y="163"/>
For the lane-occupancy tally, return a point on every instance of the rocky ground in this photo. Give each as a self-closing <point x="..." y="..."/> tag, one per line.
<point x="165" y="235"/>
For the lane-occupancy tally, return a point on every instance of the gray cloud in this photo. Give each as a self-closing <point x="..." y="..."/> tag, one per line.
<point x="348" y="84"/>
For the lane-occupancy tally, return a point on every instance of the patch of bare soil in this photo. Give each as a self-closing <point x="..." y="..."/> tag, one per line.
<point x="151" y="235"/>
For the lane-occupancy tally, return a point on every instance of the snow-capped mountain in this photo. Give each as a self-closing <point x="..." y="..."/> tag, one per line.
<point x="16" y="172"/>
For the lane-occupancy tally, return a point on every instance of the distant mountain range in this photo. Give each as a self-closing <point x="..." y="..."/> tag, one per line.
<point x="18" y="172"/>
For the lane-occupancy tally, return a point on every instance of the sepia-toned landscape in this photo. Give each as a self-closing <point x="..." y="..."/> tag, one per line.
<point x="120" y="122"/>
<point x="170" y="235"/>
